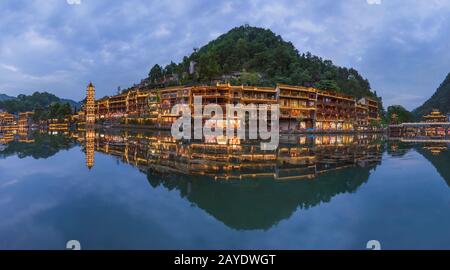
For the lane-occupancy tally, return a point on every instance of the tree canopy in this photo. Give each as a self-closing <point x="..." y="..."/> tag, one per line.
<point x="45" y="105"/>
<point x="397" y="114"/>
<point x="440" y="100"/>
<point x="263" y="59"/>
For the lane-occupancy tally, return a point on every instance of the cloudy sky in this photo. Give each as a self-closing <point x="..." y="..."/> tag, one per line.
<point x="401" y="46"/>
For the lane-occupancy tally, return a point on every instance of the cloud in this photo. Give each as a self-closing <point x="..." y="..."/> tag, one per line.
<point x="161" y="31"/>
<point x="374" y="2"/>
<point x="307" y="26"/>
<point x="227" y="8"/>
<point x="9" y="67"/>
<point x="74" y="2"/>
<point x="50" y="45"/>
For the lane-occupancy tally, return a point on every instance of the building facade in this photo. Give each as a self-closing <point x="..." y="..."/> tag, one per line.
<point x="436" y="117"/>
<point x="301" y="108"/>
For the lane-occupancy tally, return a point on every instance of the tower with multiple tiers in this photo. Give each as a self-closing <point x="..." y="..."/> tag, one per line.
<point x="90" y="105"/>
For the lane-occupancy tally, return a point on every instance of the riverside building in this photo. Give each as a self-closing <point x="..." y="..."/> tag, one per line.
<point x="301" y="108"/>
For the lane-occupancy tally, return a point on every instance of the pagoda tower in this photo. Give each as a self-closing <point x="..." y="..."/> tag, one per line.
<point x="90" y="104"/>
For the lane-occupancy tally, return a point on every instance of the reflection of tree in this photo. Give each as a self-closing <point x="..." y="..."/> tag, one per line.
<point x="260" y="204"/>
<point x="440" y="161"/>
<point x="44" y="146"/>
<point x="398" y="148"/>
<point x="297" y="175"/>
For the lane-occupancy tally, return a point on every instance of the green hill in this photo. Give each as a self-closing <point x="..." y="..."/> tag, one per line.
<point x="261" y="58"/>
<point x="440" y="100"/>
<point x="403" y="115"/>
<point x="38" y="100"/>
<point x="5" y="97"/>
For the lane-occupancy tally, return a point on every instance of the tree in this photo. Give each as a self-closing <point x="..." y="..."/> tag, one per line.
<point x="401" y="114"/>
<point x="155" y="73"/>
<point x="170" y="69"/>
<point x="248" y="78"/>
<point x="260" y="51"/>
<point x="329" y="85"/>
<point x="208" y="67"/>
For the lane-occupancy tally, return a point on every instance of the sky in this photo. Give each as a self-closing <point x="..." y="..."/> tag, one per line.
<point x="400" y="46"/>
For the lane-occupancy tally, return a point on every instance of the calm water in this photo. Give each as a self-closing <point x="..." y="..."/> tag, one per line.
<point x="146" y="191"/>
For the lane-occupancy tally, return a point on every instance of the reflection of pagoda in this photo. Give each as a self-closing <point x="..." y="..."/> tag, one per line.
<point x="436" y="148"/>
<point x="90" y="148"/>
<point x="439" y="157"/>
<point x="220" y="178"/>
<point x="306" y="158"/>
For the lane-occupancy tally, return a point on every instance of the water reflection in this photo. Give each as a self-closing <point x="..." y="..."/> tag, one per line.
<point x="235" y="181"/>
<point x="240" y="184"/>
<point x="435" y="151"/>
<point x="37" y="145"/>
<point x="298" y="157"/>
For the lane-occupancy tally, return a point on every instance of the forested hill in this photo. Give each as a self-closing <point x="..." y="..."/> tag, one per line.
<point x="5" y="97"/>
<point x="260" y="58"/>
<point x="440" y="100"/>
<point x="38" y="100"/>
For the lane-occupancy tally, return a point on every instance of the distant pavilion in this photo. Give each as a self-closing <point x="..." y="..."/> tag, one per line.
<point x="436" y="117"/>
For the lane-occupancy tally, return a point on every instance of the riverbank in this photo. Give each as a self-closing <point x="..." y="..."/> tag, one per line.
<point x="284" y="132"/>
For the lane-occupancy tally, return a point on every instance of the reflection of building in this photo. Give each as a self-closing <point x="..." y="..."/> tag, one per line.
<point x="90" y="147"/>
<point x="90" y="105"/>
<point x="233" y="181"/>
<point x="307" y="158"/>
<point x="19" y="135"/>
<point x="56" y="125"/>
<point x="25" y="119"/>
<point x="436" y="149"/>
<point x="301" y="108"/>
<point x="7" y="119"/>
<point x="7" y="137"/>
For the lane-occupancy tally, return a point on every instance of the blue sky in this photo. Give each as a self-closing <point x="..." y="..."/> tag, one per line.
<point x="401" y="46"/>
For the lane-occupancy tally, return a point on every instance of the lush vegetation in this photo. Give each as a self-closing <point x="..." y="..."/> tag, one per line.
<point x="44" y="146"/>
<point x="53" y="111"/>
<point x="5" y="97"/>
<point x="402" y="115"/>
<point x="45" y="105"/>
<point x="264" y="59"/>
<point x="440" y="100"/>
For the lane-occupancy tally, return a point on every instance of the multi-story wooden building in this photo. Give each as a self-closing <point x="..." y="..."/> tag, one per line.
<point x="301" y="108"/>
<point x="335" y="111"/>
<point x="297" y="107"/>
<point x="436" y="117"/>
<point x="361" y="117"/>
<point x="372" y="108"/>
